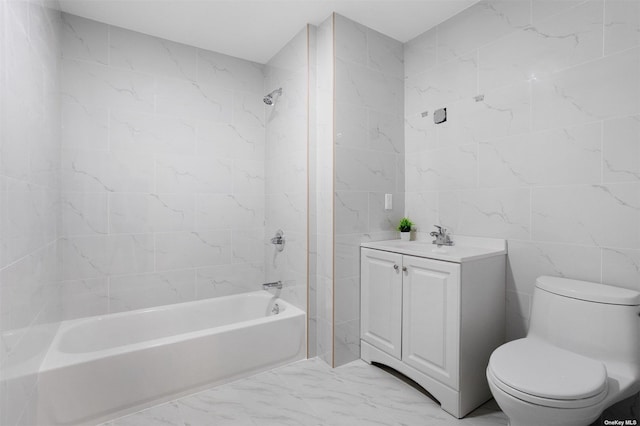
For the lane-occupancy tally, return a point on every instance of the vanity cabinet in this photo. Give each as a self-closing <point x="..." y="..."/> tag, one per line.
<point x="434" y="320"/>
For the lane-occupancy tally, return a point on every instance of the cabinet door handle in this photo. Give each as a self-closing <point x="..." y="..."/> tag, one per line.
<point x="404" y="268"/>
<point x="396" y="267"/>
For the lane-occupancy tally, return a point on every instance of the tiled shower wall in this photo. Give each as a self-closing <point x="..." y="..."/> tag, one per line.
<point x="550" y="157"/>
<point x="29" y="191"/>
<point x="286" y="169"/>
<point x="369" y="162"/>
<point x="163" y="149"/>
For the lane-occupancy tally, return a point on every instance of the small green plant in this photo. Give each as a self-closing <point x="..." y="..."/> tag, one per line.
<point x="405" y="225"/>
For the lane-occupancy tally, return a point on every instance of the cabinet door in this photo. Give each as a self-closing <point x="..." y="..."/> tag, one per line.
<point x="381" y="300"/>
<point x="431" y="318"/>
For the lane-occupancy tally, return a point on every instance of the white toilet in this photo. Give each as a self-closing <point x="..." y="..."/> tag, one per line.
<point x="581" y="355"/>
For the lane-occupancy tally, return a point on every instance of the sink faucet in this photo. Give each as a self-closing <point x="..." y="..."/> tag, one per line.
<point x="442" y="238"/>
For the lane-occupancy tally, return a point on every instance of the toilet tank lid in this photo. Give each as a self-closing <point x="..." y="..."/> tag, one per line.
<point x="585" y="290"/>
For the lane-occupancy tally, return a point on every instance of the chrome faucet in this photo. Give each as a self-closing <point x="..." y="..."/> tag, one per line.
<point x="442" y="238"/>
<point x="275" y="284"/>
<point x="278" y="240"/>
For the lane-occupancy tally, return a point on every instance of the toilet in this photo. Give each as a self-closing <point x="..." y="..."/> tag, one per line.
<point x="581" y="355"/>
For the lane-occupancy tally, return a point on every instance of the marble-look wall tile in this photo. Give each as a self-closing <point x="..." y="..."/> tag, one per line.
<point x="384" y="54"/>
<point x="194" y="174"/>
<point x="577" y="95"/>
<point x="621" y="267"/>
<point x="84" y="39"/>
<point x="543" y="9"/>
<point x="83" y="298"/>
<point x="140" y="52"/>
<point x="501" y="213"/>
<point x="352" y="212"/>
<point x="349" y="290"/>
<point x="529" y="260"/>
<point x="83" y="213"/>
<point x="92" y="84"/>
<point x="481" y="23"/>
<point x="229" y="211"/>
<point x="446" y="168"/>
<point x="621" y="150"/>
<point x="552" y="144"/>
<point x="380" y="219"/>
<point x="541" y="158"/>
<point x="224" y="280"/>
<point x="419" y="133"/>
<point x="365" y="170"/>
<point x="360" y="85"/>
<point x="422" y="209"/>
<point x="352" y="126"/>
<point x="131" y="213"/>
<point x="621" y="25"/>
<point x="97" y="256"/>
<point x="368" y="162"/>
<point x="84" y="128"/>
<point x="226" y="71"/>
<point x="420" y="53"/>
<point x="155" y="134"/>
<point x="385" y="132"/>
<point x="347" y="342"/>
<point x="147" y="133"/>
<point x="159" y="288"/>
<point x="229" y="141"/>
<point x="599" y="215"/>
<point x="30" y="119"/>
<point x="442" y="84"/>
<point x="502" y="112"/>
<point x="551" y="45"/>
<point x="178" y="250"/>
<point x="84" y="171"/>
<point x="188" y="99"/>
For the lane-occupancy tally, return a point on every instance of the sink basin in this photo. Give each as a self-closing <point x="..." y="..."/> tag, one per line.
<point x="465" y="248"/>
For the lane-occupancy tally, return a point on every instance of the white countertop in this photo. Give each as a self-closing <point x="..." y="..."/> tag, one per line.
<point x="464" y="250"/>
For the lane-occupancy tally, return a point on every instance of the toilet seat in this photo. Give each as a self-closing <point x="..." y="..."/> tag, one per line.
<point x="537" y="372"/>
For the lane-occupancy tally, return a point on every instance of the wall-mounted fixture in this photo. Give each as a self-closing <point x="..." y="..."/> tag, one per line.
<point x="270" y="98"/>
<point x="278" y="240"/>
<point x="440" y="115"/>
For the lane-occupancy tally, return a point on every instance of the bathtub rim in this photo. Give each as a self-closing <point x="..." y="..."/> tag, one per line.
<point x="55" y="359"/>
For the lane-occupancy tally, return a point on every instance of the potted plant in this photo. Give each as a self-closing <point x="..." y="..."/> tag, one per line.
<point x="404" y="227"/>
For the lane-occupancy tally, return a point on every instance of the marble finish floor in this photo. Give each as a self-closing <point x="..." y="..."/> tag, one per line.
<point x="309" y="392"/>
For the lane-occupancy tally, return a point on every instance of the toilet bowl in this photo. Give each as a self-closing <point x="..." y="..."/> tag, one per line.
<point x="565" y="373"/>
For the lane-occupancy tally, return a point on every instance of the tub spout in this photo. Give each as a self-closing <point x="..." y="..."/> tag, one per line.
<point x="275" y="284"/>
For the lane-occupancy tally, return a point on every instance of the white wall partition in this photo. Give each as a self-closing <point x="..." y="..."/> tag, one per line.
<point x="369" y="163"/>
<point x="29" y="191"/>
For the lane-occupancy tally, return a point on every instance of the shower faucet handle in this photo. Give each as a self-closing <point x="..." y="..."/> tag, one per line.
<point x="278" y="240"/>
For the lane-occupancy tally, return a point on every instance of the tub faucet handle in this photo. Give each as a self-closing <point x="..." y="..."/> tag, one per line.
<point x="275" y="284"/>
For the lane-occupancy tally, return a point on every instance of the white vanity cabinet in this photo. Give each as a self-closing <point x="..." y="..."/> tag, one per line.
<point x="435" y="315"/>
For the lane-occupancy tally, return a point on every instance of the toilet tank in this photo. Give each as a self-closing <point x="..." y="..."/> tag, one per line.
<point x="596" y="320"/>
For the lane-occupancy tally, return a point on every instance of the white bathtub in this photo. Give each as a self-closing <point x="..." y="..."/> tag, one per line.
<point x="102" y="367"/>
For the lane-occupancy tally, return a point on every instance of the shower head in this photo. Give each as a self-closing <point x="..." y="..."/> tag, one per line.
<point x="269" y="98"/>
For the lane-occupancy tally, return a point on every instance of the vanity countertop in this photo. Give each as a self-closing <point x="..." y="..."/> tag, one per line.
<point x="464" y="250"/>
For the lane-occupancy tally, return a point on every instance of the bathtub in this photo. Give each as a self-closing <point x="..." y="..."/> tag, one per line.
<point x="99" y="368"/>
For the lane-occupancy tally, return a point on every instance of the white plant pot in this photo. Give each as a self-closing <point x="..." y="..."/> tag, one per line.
<point x="405" y="236"/>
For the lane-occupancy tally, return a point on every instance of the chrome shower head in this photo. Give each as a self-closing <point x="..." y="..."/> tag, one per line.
<point x="269" y="99"/>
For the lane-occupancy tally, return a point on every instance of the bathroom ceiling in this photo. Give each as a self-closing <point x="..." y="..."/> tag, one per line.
<point x="257" y="29"/>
